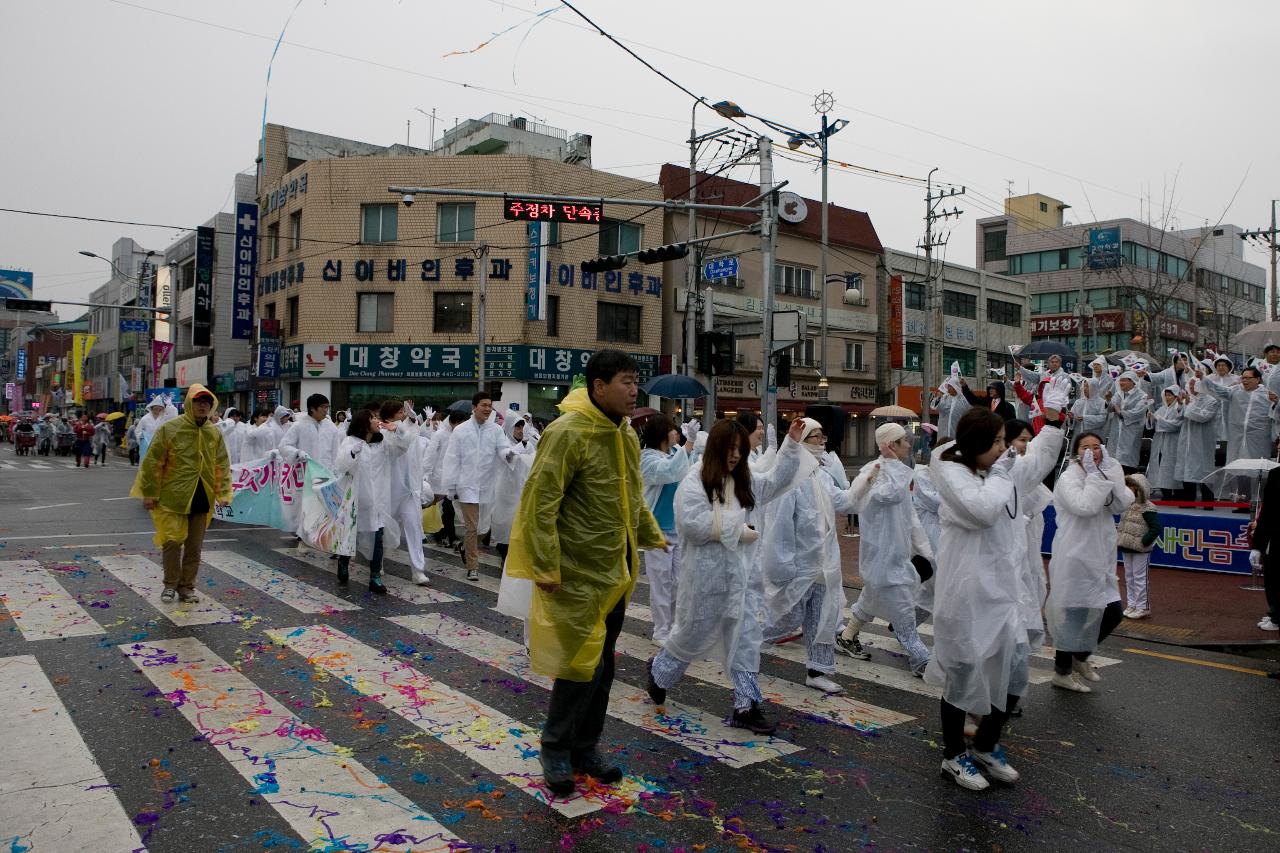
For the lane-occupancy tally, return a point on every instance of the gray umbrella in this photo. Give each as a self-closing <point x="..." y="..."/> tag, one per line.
<point x="460" y="406"/>
<point x="1252" y="338"/>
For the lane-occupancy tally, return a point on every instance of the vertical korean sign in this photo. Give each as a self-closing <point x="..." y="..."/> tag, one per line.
<point x="536" y="291"/>
<point x="202" y="303"/>
<point x="80" y="347"/>
<point x="246" y="270"/>
<point x="897" y="346"/>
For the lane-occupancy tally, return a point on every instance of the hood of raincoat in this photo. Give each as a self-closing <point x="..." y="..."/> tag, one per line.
<point x="1130" y="375"/>
<point x="195" y="389"/>
<point x="510" y="418"/>
<point x="1099" y="361"/>
<point x="1170" y="389"/>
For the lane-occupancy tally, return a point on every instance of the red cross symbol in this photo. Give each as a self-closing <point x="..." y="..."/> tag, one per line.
<point x="330" y="354"/>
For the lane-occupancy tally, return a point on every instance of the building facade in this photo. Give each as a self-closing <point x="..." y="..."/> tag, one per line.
<point x="118" y="366"/>
<point x="361" y="297"/>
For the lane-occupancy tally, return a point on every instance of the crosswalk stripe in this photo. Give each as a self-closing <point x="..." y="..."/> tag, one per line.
<point x="493" y="740"/>
<point x="681" y="724"/>
<point x="53" y="794"/>
<point x="147" y="579"/>
<point x="331" y="800"/>
<point x="926" y="630"/>
<point x="398" y="586"/>
<point x="40" y="607"/>
<point x="280" y="586"/>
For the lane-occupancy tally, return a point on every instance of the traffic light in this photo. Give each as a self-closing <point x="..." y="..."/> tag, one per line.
<point x="782" y="370"/>
<point x="661" y="254"/>
<point x="27" y="304"/>
<point x="715" y="356"/>
<point x="494" y="387"/>
<point x="608" y="262"/>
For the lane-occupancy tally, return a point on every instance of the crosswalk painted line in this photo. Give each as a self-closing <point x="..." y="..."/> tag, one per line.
<point x="53" y="794"/>
<point x="39" y="605"/>
<point x="331" y="800"/>
<point x="147" y="579"/>
<point x="689" y="727"/>
<point x="280" y="586"/>
<point x="501" y="745"/>
<point x="886" y="640"/>
<point x="399" y="587"/>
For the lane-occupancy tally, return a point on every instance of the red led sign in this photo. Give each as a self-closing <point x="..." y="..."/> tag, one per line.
<point x="552" y="211"/>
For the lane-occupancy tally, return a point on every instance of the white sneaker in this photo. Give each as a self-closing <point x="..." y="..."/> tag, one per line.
<point x="823" y="683"/>
<point x="1085" y="670"/>
<point x="1070" y="682"/>
<point x="1267" y="625"/>
<point x="1128" y="612"/>
<point x="1139" y="614"/>
<point x="421" y="579"/>
<point x="963" y="770"/>
<point x="995" y="764"/>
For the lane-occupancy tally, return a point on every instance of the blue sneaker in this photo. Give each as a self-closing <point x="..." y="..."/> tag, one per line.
<point x="964" y="772"/>
<point x="995" y="763"/>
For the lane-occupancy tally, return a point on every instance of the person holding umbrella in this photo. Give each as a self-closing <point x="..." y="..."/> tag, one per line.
<point x="101" y="439"/>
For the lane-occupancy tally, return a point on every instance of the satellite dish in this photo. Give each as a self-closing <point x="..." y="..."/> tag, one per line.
<point x="791" y="208"/>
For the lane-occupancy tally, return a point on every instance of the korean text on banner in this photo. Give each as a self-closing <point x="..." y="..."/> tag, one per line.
<point x="897" y="341"/>
<point x="159" y="355"/>
<point x="329" y="511"/>
<point x="255" y="496"/>
<point x="80" y="347"/>
<point x="246" y="270"/>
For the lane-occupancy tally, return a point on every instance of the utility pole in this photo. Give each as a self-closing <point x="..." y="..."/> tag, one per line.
<point x="933" y="295"/>
<point x="768" y="233"/>
<point x="483" y="253"/>
<point x="1268" y="235"/>
<point x="690" y="263"/>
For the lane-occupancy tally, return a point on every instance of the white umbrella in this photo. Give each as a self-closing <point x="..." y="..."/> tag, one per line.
<point x="1252" y="338"/>
<point x="1240" y="480"/>
<point x="894" y="412"/>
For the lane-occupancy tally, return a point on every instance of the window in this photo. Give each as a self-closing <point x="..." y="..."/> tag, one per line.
<point x="553" y="316"/>
<point x="968" y="360"/>
<point x="455" y="222"/>
<point x="914" y="355"/>
<point x="792" y="280"/>
<point x="997" y="360"/>
<point x="273" y="240"/>
<point x="295" y="231"/>
<point x="993" y="245"/>
<point x="553" y="233"/>
<point x="963" y="305"/>
<point x="853" y="356"/>
<point x="616" y="322"/>
<point x="1044" y="207"/>
<point x="377" y="223"/>
<point x="1004" y="313"/>
<point x="453" y="312"/>
<point x="619" y="238"/>
<point x="271" y="311"/>
<point x="915" y="296"/>
<point x="804" y="354"/>
<point x="375" y="311"/>
<point x="188" y="278"/>
<point x="293" y="316"/>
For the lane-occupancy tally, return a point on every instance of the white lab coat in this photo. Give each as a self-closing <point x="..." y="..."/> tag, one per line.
<point x="1082" y="570"/>
<point x="318" y="439"/>
<point x="469" y="461"/>
<point x="720" y="594"/>
<point x="1249" y="416"/>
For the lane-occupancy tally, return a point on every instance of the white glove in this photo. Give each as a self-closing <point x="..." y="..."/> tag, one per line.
<point x="690" y="430"/>
<point x="428" y="413"/>
<point x="302" y="456"/>
<point x="749" y="534"/>
<point x="771" y="437"/>
<point x="511" y="454"/>
<point x="1007" y="459"/>
<point x="1089" y="464"/>
<point x="1255" y="559"/>
<point x="355" y="451"/>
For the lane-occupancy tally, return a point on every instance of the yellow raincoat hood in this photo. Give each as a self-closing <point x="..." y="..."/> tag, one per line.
<point x="581" y="519"/>
<point x="181" y="455"/>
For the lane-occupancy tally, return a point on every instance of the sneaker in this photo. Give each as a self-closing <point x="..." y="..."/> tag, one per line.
<point x="1267" y="625"/>
<point x="1139" y="614"/>
<point x="594" y="765"/>
<point x="421" y="579"/>
<point x="189" y="597"/>
<point x="1128" y="612"/>
<point x="557" y="772"/>
<point x="996" y="765"/>
<point x="473" y="574"/>
<point x="853" y="648"/>
<point x="963" y="770"/>
<point x="656" y="693"/>
<point x="1070" y="682"/>
<point x="168" y="595"/>
<point x="754" y="720"/>
<point x="1085" y="670"/>
<point x="823" y="683"/>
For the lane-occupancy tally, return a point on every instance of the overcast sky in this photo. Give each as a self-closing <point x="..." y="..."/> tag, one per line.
<point x="143" y="111"/>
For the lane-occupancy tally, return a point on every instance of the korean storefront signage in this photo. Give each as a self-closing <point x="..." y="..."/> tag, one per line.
<point x="897" y="344"/>
<point x="202" y="300"/>
<point x="1102" y="323"/>
<point x="246" y="270"/>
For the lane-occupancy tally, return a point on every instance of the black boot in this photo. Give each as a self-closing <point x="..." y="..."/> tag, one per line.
<point x="656" y="693"/>
<point x="376" y="586"/>
<point x="344" y="570"/>
<point x="753" y="720"/>
<point x="593" y="764"/>
<point x="558" y="773"/>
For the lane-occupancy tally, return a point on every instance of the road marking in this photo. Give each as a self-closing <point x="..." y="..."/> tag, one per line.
<point x="101" y="535"/>
<point x="399" y="587"/>
<point x="328" y="797"/>
<point x="40" y="607"/>
<point x="49" y="506"/>
<point x="689" y="727"/>
<point x="147" y="579"/>
<point x="50" y="774"/>
<point x="277" y="584"/>
<point x="125" y="498"/>
<point x="1180" y="659"/>
<point x="39" y="466"/>
<point x="503" y="746"/>
<point x="888" y="642"/>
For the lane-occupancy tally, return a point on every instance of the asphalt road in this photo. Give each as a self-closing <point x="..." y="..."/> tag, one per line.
<point x="289" y="713"/>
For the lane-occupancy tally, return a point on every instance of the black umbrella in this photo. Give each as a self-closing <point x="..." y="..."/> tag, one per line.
<point x="1043" y="349"/>
<point x="675" y="386"/>
<point x="460" y="406"/>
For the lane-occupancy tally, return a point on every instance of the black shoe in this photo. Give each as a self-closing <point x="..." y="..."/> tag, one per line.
<point x="656" y="693"/>
<point x="557" y="771"/>
<point x="376" y="586"/>
<point x="753" y="720"/>
<point x="853" y="648"/>
<point x="344" y="575"/>
<point x="592" y="764"/>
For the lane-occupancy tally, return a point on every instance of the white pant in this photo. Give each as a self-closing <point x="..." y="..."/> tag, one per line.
<point x="662" y="569"/>
<point x="1136" y="564"/>
<point x="409" y="514"/>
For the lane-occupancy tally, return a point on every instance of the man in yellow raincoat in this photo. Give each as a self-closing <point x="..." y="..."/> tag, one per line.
<point x="581" y="519"/>
<point x="185" y="472"/>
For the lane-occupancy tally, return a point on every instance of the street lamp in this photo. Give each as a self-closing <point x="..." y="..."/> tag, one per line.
<point x="137" y="297"/>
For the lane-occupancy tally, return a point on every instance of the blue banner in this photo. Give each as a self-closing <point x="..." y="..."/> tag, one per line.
<point x="1104" y="248"/>
<point x="246" y="270"/>
<point x="22" y="364"/>
<point x="1203" y="541"/>
<point x="535" y="290"/>
<point x="268" y="358"/>
<point x="255" y="493"/>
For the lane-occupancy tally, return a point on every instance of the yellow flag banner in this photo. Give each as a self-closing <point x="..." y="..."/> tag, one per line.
<point x="80" y="347"/>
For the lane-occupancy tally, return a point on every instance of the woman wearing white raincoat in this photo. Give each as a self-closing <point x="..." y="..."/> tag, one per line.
<point x="1084" y="595"/>
<point x="258" y="439"/>
<point x="720" y="593"/>
<point x="159" y="410"/>
<point x="1129" y="406"/>
<point x="364" y="455"/>
<point x="1198" y="439"/>
<point x="515" y="460"/>
<point x="663" y="465"/>
<point x="1164" y="444"/>
<point x="981" y="652"/>
<point x="1249" y="415"/>
<point x="408" y="488"/>
<point x="800" y="556"/>
<point x="1100" y="376"/>
<point x="950" y="403"/>
<point x="1222" y="370"/>
<point x="1090" y="409"/>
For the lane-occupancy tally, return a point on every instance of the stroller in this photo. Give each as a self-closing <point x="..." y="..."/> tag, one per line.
<point x="66" y="443"/>
<point x="24" y="439"/>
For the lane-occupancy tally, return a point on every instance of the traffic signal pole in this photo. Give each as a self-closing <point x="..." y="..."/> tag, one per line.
<point x="768" y="234"/>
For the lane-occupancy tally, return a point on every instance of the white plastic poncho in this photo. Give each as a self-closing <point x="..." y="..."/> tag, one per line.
<point x="256" y="441"/>
<point x="1100" y="380"/>
<point x="147" y="425"/>
<point x="950" y="407"/>
<point x="890" y="583"/>
<point x="1031" y="497"/>
<point x="1130" y="410"/>
<point x="1198" y="439"/>
<point x="1082" y="570"/>
<point x="720" y="593"/>
<point x="926" y="501"/>
<point x="233" y="433"/>
<point x="515" y="461"/>
<point x="1091" y="412"/>
<point x="1164" y="444"/>
<point x="1248" y="419"/>
<point x="470" y="459"/>
<point x="369" y="464"/>
<point x="318" y="439"/>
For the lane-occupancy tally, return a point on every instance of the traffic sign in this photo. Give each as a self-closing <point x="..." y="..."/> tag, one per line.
<point x="134" y="325"/>
<point x="719" y="268"/>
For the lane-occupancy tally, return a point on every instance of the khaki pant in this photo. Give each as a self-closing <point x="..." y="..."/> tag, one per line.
<point x="471" y="535"/>
<point x="182" y="559"/>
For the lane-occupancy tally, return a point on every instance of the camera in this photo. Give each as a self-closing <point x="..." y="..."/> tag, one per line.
<point x="408" y="199"/>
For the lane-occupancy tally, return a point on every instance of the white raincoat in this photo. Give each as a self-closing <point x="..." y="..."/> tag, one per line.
<point x="1092" y="412"/>
<point x="146" y="427"/>
<point x="1198" y="438"/>
<point x="256" y="441"/>
<point x="1164" y="445"/>
<point x="890" y="583"/>
<point x="1248" y="419"/>
<point x="1032" y="496"/>
<point x="720" y="593"/>
<point x="469" y="465"/>
<point x="950" y="408"/>
<point x="370" y="465"/>
<point x="233" y="436"/>
<point x="318" y="439"/>
<point x="1082" y="570"/>
<point x="1100" y="380"/>
<point x="515" y="461"/>
<point x="1130" y="417"/>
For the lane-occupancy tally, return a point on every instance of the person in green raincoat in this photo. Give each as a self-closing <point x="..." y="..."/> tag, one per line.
<point x="184" y="474"/>
<point x="581" y="519"/>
